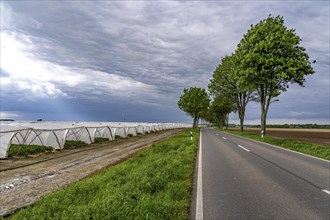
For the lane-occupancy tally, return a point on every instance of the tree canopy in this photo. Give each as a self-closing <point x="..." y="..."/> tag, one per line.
<point x="270" y="58"/>
<point x="225" y="83"/>
<point x="221" y="106"/>
<point x="267" y="60"/>
<point x="193" y="101"/>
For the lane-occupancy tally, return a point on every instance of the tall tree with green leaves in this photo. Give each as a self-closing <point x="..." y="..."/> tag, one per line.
<point x="221" y="106"/>
<point x="193" y="101"/>
<point x="270" y="57"/>
<point x="225" y="82"/>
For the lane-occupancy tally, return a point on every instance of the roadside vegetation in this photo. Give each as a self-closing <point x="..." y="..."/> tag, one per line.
<point x="299" y="146"/>
<point x="154" y="184"/>
<point x="267" y="60"/>
<point x="26" y="150"/>
<point x="311" y="126"/>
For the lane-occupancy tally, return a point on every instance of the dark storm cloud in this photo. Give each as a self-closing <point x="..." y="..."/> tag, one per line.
<point x="144" y="53"/>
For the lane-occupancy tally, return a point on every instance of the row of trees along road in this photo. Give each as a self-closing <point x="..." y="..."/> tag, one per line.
<point x="267" y="59"/>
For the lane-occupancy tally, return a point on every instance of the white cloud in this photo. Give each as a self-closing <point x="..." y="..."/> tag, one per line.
<point x="43" y="79"/>
<point x="9" y="115"/>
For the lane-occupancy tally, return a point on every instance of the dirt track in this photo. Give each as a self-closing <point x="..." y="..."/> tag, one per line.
<point x="318" y="136"/>
<point x="22" y="186"/>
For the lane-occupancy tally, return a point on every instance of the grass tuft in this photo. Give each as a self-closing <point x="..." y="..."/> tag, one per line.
<point x="154" y="184"/>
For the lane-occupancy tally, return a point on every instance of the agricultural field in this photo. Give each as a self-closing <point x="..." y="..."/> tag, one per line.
<point x="23" y="186"/>
<point x="317" y="136"/>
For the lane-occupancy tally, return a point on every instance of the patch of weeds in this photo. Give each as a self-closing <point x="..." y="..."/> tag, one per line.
<point x="25" y="150"/>
<point x="118" y="137"/>
<point x="73" y="144"/>
<point x="100" y="140"/>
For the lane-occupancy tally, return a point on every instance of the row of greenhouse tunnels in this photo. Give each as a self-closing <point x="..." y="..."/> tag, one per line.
<point x="55" y="134"/>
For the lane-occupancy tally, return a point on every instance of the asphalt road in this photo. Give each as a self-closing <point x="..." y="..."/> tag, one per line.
<point x="243" y="179"/>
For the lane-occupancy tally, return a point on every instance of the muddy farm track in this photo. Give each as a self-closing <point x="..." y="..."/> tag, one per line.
<point x="318" y="136"/>
<point x="23" y="181"/>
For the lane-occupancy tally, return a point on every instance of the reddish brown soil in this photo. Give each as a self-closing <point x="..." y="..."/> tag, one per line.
<point x="317" y="136"/>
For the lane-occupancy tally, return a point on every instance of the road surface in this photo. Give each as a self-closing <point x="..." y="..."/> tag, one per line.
<point x="243" y="179"/>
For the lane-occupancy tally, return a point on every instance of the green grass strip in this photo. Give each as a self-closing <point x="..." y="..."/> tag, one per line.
<point x="154" y="184"/>
<point x="315" y="150"/>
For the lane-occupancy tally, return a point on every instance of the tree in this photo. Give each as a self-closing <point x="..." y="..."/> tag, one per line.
<point x="193" y="101"/>
<point x="221" y="106"/>
<point x="225" y="82"/>
<point x="270" y="58"/>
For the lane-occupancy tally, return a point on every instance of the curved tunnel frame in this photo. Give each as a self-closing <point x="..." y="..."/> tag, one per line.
<point x="78" y="134"/>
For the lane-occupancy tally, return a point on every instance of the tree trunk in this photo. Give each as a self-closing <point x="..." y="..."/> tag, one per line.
<point x="241" y="123"/>
<point x="242" y="100"/>
<point x="220" y="121"/>
<point x="264" y="111"/>
<point x="263" y="122"/>
<point x="227" y="120"/>
<point x="195" y="121"/>
<point x="221" y="124"/>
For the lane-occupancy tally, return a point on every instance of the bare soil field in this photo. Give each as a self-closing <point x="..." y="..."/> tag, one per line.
<point x="23" y="181"/>
<point x="318" y="136"/>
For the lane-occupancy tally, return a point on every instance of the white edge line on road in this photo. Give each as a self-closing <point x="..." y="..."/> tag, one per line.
<point x="243" y="148"/>
<point x="199" y="199"/>
<point x="326" y="191"/>
<point x="224" y="138"/>
<point x="280" y="147"/>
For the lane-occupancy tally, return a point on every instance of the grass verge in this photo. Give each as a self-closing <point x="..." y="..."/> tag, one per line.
<point x="299" y="146"/>
<point x="154" y="184"/>
<point x="25" y="150"/>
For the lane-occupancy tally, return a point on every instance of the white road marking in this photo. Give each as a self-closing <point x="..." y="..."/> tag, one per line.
<point x="224" y="138"/>
<point x="243" y="148"/>
<point x="281" y="148"/>
<point x="326" y="191"/>
<point x="199" y="199"/>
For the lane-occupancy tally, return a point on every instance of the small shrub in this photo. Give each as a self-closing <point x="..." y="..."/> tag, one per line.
<point x="25" y="150"/>
<point x="118" y="137"/>
<point x="100" y="139"/>
<point x="73" y="144"/>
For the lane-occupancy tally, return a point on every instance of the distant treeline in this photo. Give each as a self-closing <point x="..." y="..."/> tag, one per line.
<point x="7" y="119"/>
<point x="292" y="126"/>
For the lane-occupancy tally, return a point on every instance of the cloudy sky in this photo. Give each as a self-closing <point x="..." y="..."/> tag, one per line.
<point x="130" y="60"/>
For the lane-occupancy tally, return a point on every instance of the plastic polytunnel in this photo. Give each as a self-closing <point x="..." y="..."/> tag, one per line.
<point x="12" y="134"/>
<point x="54" y="134"/>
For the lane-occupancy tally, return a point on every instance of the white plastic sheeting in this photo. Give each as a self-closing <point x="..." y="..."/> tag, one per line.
<point x="11" y="134"/>
<point x="55" y="134"/>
